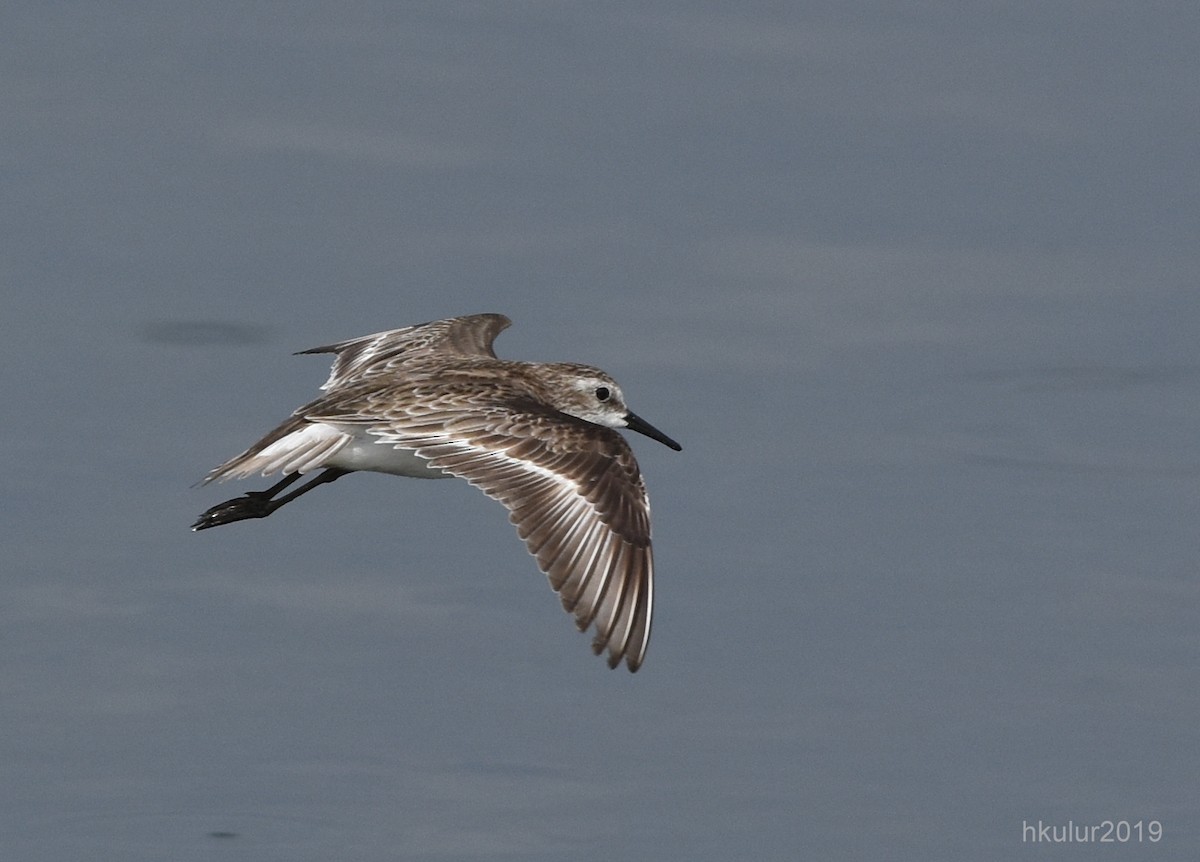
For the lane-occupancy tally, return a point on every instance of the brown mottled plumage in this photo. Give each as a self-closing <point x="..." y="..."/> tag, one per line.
<point x="434" y="401"/>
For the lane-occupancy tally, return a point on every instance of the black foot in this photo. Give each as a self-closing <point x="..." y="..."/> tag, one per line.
<point x="256" y="504"/>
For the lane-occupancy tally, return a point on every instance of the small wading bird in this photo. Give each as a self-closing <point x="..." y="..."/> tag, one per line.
<point x="433" y="401"/>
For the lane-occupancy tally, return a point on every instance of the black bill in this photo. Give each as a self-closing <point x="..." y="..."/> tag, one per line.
<point x="636" y="423"/>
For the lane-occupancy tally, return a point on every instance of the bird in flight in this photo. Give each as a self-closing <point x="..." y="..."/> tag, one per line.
<point x="433" y="401"/>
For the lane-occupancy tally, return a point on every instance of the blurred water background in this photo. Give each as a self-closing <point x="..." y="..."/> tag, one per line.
<point x="914" y="286"/>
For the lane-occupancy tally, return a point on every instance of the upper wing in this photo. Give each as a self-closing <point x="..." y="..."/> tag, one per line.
<point x="384" y="352"/>
<point x="574" y="493"/>
<point x="296" y="446"/>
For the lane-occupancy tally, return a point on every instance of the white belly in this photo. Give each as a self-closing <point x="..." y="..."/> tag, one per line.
<point x="366" y="453"/>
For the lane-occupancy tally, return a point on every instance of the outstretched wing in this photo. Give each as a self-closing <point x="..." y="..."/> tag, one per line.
<point x="385" y="352"/>
<point x="574" y="493"/>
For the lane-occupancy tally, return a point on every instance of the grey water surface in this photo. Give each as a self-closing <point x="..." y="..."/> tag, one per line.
<point x="915" y="285"/>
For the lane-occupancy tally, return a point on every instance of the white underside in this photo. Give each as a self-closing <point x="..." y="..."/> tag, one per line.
<point x="348" y="447"/>
<point x="365" y="452"/>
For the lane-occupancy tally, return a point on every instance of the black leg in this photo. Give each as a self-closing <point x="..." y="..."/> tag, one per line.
<point x="258" y="504"/>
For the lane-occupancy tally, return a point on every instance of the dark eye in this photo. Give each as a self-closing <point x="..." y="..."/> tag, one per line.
<point x="602" y="393"/>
